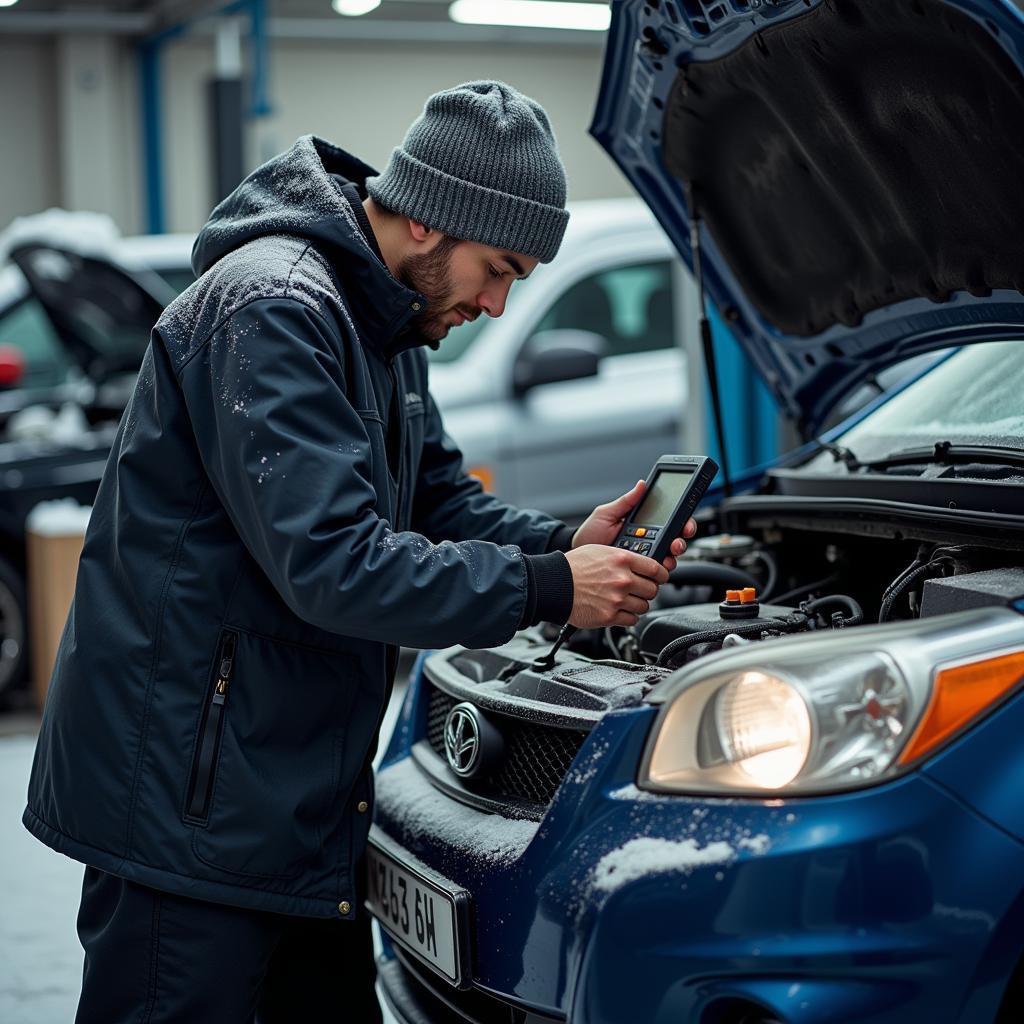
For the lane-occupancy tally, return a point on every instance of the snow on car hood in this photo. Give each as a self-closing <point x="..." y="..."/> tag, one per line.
<point x="855" y="165"/>
<point x="79" y="231"/>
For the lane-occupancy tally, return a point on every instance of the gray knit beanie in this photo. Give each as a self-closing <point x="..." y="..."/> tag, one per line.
<point x="481" y="164"/>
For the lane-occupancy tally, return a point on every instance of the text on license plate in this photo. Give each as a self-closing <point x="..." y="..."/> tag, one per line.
<point x="418" y="914"/>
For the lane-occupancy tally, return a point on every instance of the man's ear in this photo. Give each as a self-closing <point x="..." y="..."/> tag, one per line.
<point x="419" y="232"/>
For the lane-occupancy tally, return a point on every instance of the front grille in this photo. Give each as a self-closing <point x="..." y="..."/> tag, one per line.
<point x="536" y="756"/>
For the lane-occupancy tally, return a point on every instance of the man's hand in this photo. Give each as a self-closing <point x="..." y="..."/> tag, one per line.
<point x="611" y="586"/>
<point x="603" y="524"/>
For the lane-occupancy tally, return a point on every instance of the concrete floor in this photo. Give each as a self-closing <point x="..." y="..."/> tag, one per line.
<point x="40" y="957"/>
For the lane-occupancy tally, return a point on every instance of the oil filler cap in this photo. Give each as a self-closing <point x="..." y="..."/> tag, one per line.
<point x="740" y="604"/>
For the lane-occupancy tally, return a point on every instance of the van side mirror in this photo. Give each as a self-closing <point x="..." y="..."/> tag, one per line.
<point x="553" y="356"/>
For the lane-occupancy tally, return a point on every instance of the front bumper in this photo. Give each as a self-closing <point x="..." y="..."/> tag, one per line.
<point x="895" y="903"/>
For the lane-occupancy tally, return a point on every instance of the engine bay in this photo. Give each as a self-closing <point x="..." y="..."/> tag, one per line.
<point x="736" y="589"/>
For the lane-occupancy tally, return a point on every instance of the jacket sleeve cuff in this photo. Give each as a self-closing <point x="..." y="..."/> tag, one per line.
<point x="549" y="589"/>
<point x="561" y="538"/>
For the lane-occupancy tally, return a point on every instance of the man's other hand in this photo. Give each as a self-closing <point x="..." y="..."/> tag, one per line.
<point x="603" y="524"/>
<point x="611" y="586"/>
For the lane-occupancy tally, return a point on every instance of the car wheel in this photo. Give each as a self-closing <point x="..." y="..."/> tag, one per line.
<point x="13" y="631"/>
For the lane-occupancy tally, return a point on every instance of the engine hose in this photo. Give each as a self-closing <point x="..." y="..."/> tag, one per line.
<point x="856" y="612"/>
<point x="929" y="569"/>
<point x="913" y="567"/>
<point x="684" y="643"/>
<point x="689" y="573"/>
<point x="773" y="573"/>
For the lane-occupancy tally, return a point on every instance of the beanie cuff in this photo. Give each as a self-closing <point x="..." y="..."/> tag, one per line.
<point x="469" y="211"/>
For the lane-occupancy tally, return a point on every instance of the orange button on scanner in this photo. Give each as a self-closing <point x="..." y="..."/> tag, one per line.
<point x="641" y="531"/>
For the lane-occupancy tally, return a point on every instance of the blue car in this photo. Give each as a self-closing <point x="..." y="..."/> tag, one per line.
<point x="792" y="791"/>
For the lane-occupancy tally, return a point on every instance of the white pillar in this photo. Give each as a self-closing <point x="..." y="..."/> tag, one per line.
<point x="93" y="137"/>
<point x="693" y="425"/>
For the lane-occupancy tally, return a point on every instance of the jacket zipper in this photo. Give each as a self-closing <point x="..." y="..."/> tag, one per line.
<point x="209" y="740"/>
<point x="399" y="402"/>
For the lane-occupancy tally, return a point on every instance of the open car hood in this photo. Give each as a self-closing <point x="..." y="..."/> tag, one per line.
<point x="101" y="308"/>
<point x="856" y="166"/>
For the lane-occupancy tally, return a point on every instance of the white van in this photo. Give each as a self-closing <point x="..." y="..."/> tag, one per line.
<point x="566" y="399"/>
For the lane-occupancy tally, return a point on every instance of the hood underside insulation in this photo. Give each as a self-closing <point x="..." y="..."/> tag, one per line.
<point x="867" y="152"/>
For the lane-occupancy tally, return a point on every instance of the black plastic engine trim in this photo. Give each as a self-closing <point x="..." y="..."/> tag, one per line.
<point x="967" y="495"/>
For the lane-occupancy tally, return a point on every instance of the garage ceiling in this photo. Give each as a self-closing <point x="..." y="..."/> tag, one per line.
<point x="415" y="21"/>
<point x="174" y="10"/>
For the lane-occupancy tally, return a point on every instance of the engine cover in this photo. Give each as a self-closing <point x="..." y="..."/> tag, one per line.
<point x="656" y="629"/>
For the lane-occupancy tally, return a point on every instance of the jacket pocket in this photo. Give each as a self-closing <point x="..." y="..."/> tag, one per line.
<point x="277" y="752"/>
<point x="197" y="804"/>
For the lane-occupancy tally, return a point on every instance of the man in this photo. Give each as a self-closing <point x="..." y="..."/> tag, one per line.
<point x="280" y="511"/>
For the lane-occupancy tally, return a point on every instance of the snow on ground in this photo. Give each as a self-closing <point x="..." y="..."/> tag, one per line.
<point x="40" y="957"/>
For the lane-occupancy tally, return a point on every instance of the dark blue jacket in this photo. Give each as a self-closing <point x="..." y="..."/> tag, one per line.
<point x="280" y="509"/>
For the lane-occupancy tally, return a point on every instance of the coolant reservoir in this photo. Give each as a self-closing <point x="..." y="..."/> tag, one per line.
<point x="720" y="547"/>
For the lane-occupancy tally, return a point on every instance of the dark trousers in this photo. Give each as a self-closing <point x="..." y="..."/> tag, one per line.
<point x="155" y="958"/>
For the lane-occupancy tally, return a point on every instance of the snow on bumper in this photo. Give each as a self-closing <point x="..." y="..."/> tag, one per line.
<point x="622" y="905"/>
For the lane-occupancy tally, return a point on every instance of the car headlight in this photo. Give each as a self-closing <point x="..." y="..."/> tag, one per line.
<point x="830" y="711"/>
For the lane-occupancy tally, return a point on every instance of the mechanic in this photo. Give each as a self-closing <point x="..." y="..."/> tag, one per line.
<point x="280" y="511"/>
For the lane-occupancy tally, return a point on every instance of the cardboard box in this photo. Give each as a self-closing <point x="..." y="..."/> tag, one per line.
<point x="54" y="533"/>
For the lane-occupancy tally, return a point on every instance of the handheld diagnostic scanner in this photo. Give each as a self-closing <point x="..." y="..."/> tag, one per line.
<point x="674" y="488"/>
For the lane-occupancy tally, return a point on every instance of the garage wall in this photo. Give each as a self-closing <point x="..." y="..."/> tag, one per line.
<point x="364" y="98"/>
<point x="97" y="100"/>
<point x="29" y="164"/>
<point x="72" y="135"/>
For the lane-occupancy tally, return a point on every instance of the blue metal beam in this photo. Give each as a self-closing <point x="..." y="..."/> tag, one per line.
<point x="149" y="66"/>
<point x="149" y="51"/>
<point x="260" y="97"/>
<point x="751" y="417"/>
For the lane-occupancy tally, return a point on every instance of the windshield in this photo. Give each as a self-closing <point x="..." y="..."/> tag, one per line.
<point x="458" y="341"/>
<point x="976" y="396"/>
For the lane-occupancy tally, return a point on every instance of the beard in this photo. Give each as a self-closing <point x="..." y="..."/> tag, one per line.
<point x="430" y="275"/>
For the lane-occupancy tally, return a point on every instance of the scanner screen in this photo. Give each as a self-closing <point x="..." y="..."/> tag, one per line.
<point x="662" y="497"/>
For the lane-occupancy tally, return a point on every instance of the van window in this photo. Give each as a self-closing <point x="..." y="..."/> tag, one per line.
<point x="631" y="307"/>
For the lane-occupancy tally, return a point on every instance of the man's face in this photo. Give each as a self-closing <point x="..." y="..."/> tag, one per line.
<point x="460" y="280"/>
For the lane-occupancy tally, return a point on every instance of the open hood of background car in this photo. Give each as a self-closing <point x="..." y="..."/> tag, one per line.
<point x="857" y="166"/>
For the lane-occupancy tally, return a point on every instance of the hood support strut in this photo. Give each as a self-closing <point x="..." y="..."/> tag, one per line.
<point x="706" y="339"/>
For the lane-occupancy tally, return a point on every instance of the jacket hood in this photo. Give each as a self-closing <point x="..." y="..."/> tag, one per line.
<point x="299" y="193"/>
<point x="292" y="194"/>
<point x="854" y="165"/>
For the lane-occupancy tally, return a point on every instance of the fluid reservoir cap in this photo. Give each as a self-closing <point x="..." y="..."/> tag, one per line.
<point x="740" y="604"/>
<point x="720" y="547"/>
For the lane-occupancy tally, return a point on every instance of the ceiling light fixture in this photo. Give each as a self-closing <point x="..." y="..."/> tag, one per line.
<point x="593" y="17"/>
<point x="353" y="8"/>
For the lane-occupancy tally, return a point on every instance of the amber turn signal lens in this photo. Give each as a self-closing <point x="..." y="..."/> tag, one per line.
<point x="485" y="475"/>
<point x="960" y="695"/>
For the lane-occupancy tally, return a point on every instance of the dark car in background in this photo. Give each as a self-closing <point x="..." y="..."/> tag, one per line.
<point x="799" y="802"/>
<point x="77" y="302"/>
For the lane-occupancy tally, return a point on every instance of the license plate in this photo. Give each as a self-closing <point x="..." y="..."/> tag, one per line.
<point x="423" y="912"/>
